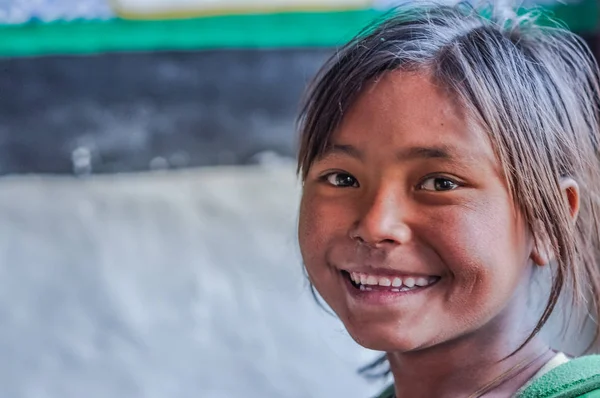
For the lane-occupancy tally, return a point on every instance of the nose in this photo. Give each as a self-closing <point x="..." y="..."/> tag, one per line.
<point x="382" y="221"/>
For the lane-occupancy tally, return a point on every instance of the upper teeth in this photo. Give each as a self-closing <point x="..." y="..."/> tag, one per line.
<point x="409" y="281"/>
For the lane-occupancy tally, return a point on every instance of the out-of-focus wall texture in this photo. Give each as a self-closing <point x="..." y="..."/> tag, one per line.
<point x="148" y="199"/>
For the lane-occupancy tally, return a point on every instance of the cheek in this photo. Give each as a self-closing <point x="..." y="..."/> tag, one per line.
<point x="322" y="224"/>
<point x="314" y="229"/>
<point x="320" y="221"/>
<point x="484" y="252"/>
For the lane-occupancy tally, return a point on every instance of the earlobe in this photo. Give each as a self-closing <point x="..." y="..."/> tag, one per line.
<point x="540" y="256"/>
<point x="541" y="253"/>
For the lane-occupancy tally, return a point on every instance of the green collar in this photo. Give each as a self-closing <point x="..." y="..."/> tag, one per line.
<point x="572" y="379"/>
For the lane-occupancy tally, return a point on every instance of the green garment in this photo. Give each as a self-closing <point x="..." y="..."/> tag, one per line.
<point x="388" y="393"/>
<point x="578" y="378"/>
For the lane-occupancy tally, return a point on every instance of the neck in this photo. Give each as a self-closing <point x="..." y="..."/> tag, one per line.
<point x="466" y="366"/>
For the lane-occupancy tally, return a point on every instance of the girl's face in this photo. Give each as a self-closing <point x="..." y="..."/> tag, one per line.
<point x="407" y="229"/>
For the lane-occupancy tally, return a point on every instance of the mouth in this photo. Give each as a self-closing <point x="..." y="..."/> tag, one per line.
<point x="361" y="283"/>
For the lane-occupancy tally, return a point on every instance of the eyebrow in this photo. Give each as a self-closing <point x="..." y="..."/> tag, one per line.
<point x="338" y="149"/>
<point x="412" y="153"/>
<point x="403" y="155"/>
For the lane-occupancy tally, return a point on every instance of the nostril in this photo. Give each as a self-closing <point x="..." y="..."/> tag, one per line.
<point x="379" y="236"/>
<point x="382" y="242"/>
<point x="357" y="238"/>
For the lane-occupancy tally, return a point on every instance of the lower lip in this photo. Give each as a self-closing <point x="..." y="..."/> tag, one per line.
<point x="381" y="297"/>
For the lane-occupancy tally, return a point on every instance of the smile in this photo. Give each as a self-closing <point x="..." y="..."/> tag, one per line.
<point x="396" y="284"/>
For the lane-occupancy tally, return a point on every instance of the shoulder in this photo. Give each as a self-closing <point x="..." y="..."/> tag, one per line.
<point x="577" y="378"/>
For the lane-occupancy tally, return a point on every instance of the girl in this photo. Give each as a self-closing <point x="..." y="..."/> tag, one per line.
<point x="448" y="159"/>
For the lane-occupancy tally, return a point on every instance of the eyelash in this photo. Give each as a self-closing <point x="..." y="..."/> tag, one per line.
<point x="442" y="178"/>
<point x="325" y="178"/>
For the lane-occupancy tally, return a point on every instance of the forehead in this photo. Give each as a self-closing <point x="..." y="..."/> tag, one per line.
<point x="409" y="109"/>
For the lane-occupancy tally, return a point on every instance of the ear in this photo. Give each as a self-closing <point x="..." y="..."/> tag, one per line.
<point x="570" y="191"/>
<point x="542" y="252"/>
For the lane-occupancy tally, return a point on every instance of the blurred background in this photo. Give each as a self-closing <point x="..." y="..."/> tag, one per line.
<point x="148" y="198"/>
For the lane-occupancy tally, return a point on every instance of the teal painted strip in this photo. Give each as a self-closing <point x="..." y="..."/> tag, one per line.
<point x="232" y="31"/>
<point x="307" y="29"/>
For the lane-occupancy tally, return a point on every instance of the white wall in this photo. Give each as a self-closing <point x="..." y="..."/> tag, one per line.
<point x="184" y="284"/>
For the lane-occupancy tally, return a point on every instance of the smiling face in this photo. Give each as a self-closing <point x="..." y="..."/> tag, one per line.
<point x="407" y="228"/>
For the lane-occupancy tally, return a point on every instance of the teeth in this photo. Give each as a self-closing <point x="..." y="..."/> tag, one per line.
<point x="422" y="282"/>
<point x="385" y="282"/>
<point x="398" y="284"/>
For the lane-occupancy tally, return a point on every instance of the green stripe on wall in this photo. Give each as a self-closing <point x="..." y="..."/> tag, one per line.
<point x="231" y="31"/>
<point x="307" y="29"/>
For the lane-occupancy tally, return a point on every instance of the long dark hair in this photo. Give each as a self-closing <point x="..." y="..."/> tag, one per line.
<point x="534" y="89"/>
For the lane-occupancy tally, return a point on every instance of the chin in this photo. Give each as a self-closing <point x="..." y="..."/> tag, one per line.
<point x="385" y="339"/>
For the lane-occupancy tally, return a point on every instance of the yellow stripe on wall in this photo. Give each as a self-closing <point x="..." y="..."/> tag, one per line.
<point x="170" y="9"/>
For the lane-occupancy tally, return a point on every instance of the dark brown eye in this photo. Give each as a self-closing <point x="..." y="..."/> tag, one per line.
<point x="438" y="184"/>
<point x="341" y="180"/>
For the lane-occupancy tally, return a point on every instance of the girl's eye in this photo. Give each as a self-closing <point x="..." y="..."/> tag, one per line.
<point x="438" y="184"/>
<point x="341" y="180"/>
